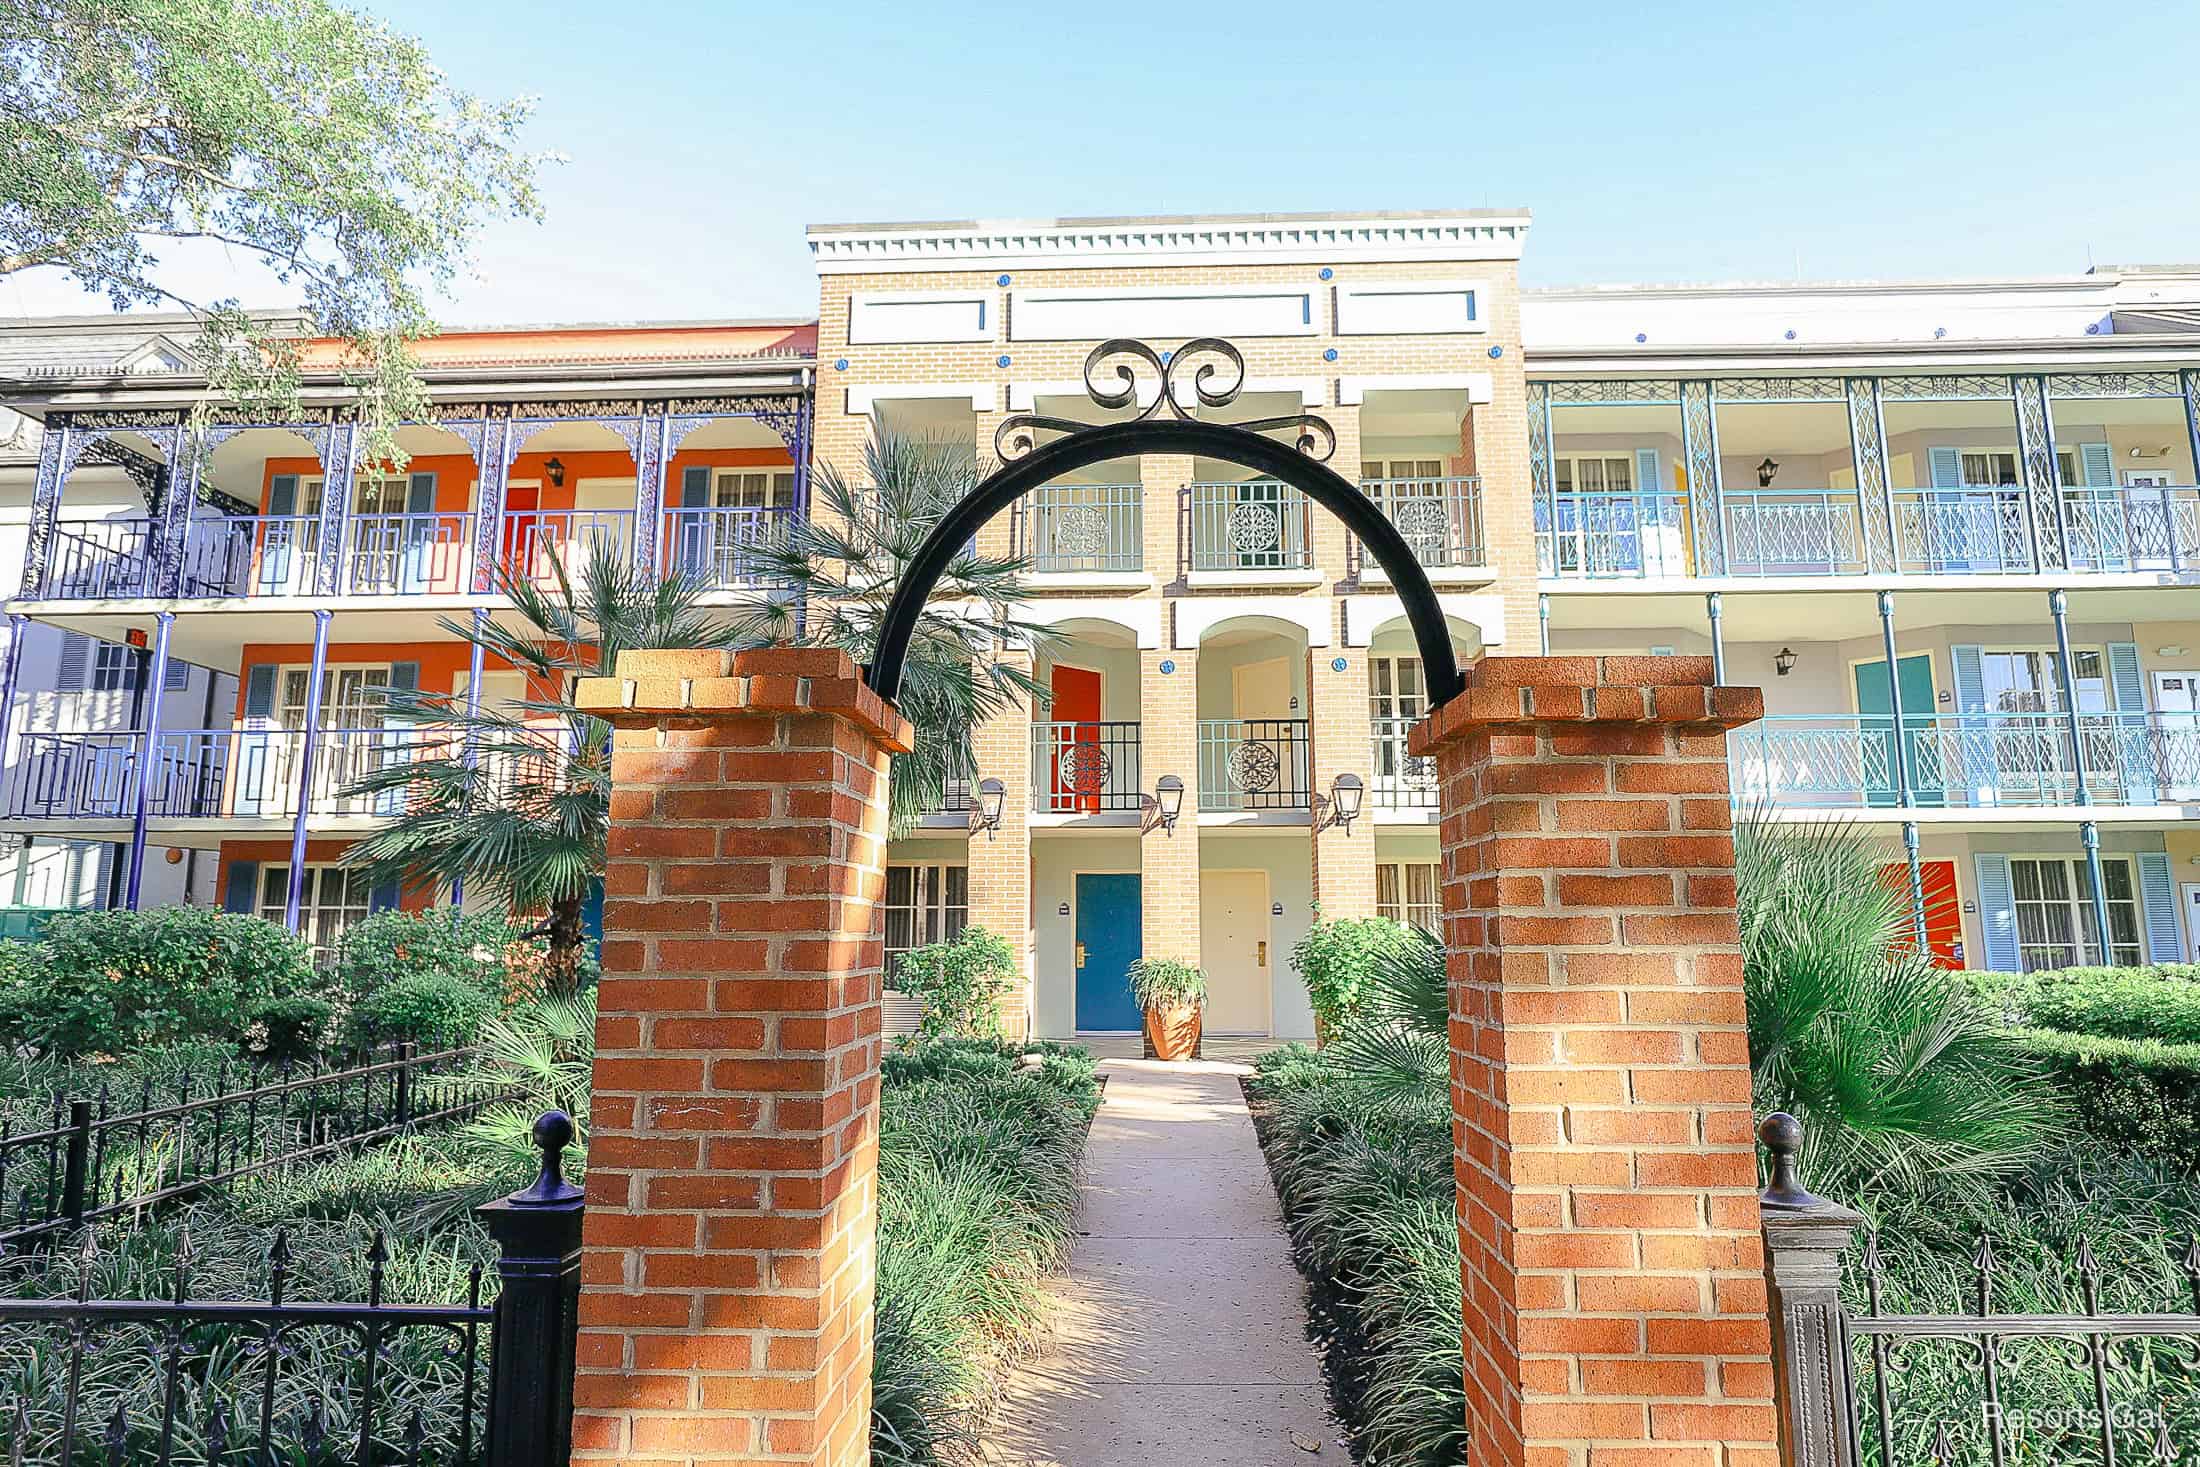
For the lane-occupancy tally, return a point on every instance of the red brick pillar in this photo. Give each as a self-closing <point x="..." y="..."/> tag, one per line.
<point x="1608" y="1229"/>
<point x="727" y="1261"/>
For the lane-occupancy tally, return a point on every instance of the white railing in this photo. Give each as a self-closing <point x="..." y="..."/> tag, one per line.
<point x="1402" y="780"/>
<point x="1064" y="528"/>
<point x="1441" y="519"/>
<point x="1253" y="764"/>
<point x="1641" y="533"/>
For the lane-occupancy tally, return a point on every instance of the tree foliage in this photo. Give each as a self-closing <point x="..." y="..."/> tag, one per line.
<point x="304" y="135"/>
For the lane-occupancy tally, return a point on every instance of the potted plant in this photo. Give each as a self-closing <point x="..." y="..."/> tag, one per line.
<point x="1170" y="994"/>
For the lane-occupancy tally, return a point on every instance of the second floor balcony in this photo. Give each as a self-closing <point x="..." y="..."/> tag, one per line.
<point x="1971" y="761"/>
<point x="1085" y="768"/>
<point x="1254" y="764"/>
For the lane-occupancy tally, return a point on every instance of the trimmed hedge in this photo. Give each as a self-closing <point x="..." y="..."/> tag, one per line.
<point x="2134" y="1096"/>
<point x="2160" y="1002"/>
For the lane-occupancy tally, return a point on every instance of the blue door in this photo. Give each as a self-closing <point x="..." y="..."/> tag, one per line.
<point x="1109" y="940"/>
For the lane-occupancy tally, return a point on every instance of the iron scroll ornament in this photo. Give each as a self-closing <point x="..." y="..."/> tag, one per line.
<point x="1166" y="426"/>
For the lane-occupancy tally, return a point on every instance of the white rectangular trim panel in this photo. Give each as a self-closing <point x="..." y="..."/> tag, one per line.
<point x="983" y="397"/>
<point x="1412" y="308"/>
<point x="1164" y="313"/>
<point x="886" y="317"/>
<point x="1351" y="391"/>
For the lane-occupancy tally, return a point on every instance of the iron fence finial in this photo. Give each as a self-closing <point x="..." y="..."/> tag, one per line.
<point x="1782" y="1137"/>
<point x="553" y="1132"/>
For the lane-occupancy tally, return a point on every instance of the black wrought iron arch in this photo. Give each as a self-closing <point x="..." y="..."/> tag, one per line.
<point x="1166" y="426"/>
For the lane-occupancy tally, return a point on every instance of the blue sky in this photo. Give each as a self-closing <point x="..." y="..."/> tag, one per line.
<point x="1710" y="141"/>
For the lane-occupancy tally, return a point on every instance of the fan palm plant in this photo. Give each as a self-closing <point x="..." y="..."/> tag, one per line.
<point x="844" y="562"/>
<point x="515" y="802"/>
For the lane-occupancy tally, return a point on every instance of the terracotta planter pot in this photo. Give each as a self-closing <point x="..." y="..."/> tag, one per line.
<point x="1173" y="1033"/>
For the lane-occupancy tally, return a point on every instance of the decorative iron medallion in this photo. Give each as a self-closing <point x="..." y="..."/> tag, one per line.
<point x="1255" y="527"/>
<point x="1253" y="767"/>
<point x="1085" y="769"/>
<point x="1420" y="772"/>
<point x="1080" y="529"/>
<point x="1209" y="371"/>
<point x="1422" y="520"/>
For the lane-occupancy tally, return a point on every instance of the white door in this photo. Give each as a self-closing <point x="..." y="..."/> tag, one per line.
<point x="2177" y="702"/>
<point x="2192" y="921"/>
<point x="1234" y="949"/>
<point x="1263" y="689"/>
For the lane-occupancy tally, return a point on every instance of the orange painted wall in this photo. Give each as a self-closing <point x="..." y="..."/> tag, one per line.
<point x="456" y="472"/>
<point x="443" y="665"/>
<point x="318" y="853"/>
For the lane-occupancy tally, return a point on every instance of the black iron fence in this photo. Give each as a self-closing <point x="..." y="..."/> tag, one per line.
<point x="185" y="1380"/>
<point x="90" y="1160"/>
<point x="1864" y="1384"/>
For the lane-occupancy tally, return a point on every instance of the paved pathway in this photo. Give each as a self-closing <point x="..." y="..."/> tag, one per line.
<point x="1181" y="1333"/>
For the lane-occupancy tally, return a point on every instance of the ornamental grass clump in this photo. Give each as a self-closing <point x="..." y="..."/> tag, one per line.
<point x="979" y="1149"/>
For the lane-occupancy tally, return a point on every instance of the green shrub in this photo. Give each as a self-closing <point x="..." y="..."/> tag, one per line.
<point x="293" y="1027"/>
<point x="117" y="981"/>
<point x="1334" y="958"/>
<point x="432" y="1010"/>
<point x="2161" y="1002"/>
<point x="441" y="940"/>
<point x="1165" y="983"/>
<point x="961" y="983"/>
<point x="2128" y="1096"/>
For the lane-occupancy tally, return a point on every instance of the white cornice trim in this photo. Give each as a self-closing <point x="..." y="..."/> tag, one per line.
<point x="893" y="248"/>
<point x="1313" y="392"/>
<point x="984" y="396"/>
<point x="1352" y="390"/>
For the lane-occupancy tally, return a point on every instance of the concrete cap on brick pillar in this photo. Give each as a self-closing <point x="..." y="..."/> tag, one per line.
<point x="1528" y="692"/>
<point x="646" y="686"/>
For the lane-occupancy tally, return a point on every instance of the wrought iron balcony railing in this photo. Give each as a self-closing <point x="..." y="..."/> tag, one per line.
<point x="1253" y="764"/>
<point x="723" y="548"/>
<point x="540" y="544"/>
<point x="1795" y="532"/>
<point x="1402" y="781"/>
<point x="1255" y="525"/>
<point x="1968" y="761"/>
<point x="239" y="773"/>
<point x="1643" y="533"/>
<point x="408" y="554"/>
<point x="1440" y="518"/>
<point x="1084" y="768"/>
<point x="1067" y="528"/>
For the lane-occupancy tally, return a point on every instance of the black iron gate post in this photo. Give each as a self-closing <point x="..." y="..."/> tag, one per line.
<point x="1805" y="1237"/>
<point x="532" y="1341"/>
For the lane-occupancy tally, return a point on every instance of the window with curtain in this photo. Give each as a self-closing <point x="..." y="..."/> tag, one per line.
<point x="2056" y="927"/>
<point x="1406" y="891"/>
<point x="924" y="904"/>
<point x="331" y="900"/>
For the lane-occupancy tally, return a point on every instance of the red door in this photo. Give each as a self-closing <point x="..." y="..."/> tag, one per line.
<point x="522" y="537"/>
<point x="1943" y="909"/>
<point x="1076" y="721"/>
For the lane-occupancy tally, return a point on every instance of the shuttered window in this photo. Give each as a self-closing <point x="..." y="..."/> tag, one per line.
<point x="1405" y="891"/>
<point x="331" y="900"/>
<point x="2056" y="927"/>
<point x="924" y="905"/>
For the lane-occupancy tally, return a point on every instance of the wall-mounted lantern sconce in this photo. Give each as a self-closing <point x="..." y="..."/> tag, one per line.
<point x="1168" y="801"/>
<point x="1783" y="661"/>
<point x="1346" y="796"/>
<point x="1766" y="471"/>
<point x="555" y="468"/>
<point x="992" y="795"/>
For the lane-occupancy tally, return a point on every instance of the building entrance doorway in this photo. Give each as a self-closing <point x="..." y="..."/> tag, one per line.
<point x="1110" y="938"/>
<point x="1233" y="947"/>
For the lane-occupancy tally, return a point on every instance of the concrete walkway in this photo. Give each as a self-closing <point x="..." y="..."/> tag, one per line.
<point x="1180" y="1336"/>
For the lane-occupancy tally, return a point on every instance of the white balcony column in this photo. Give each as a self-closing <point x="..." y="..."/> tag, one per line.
<point x="492" y="466"/>
<point x="2058" y="606"/>
<point x="148" y="747"/>
<point x="652" y="465"/>
<point x="1874" y="492"/>
<point x="473" y="711"/>
<point x="2042" y="484"/>
<point x="309" y="749"/>
<point x="173" y="534"/>
<point x="1545" y="489"/>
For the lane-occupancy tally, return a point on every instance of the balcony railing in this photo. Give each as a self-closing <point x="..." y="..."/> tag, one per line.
<point x="1253" y="764"/>
<point x="408" y="554"/>
<point x="1084" y="768"/>
<point x="540" y="544"/>
<point x="1402" y="781"/>
<point x="2136" y="528"/>
<point x="1440" y="518"/>
<point x="1644" y="533"/>
<point x="243" y="773"/>
<point x="1082" y="527"/>
<point x="723" y="548"/>
<point x="1255" y="525"/>
<point x="1968" y="761"/>
<point x="1794" y="532"/>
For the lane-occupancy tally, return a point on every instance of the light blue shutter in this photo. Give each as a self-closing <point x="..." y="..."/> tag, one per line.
<point x="1975" y="732"/>
<point x="1647" y="478"/>
<point x="71" y="676"/>
<point x="1947" y="467"/>
<point x="1997" y="914"/>
<point x="383" y="898"/>
<point x="691" y="549"/>
<point x="179" y="675"/>
<point x="241" y="893"/>
<point x="695" y="488"/>
<point x="282" y="502"/>
<point x="393" y="744"/>
<point x="2128" y="696"/>
<point x="257" y="761"/>
<point x="2097" y="466"/>
<point x="419" y="537"/>
<point x="2158" y="907"/>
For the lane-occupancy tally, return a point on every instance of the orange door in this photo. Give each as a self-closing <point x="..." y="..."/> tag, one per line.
<point x="1076" y="704"/>
<point x="522" y="531"/>
<point x="1943" y="910"/>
